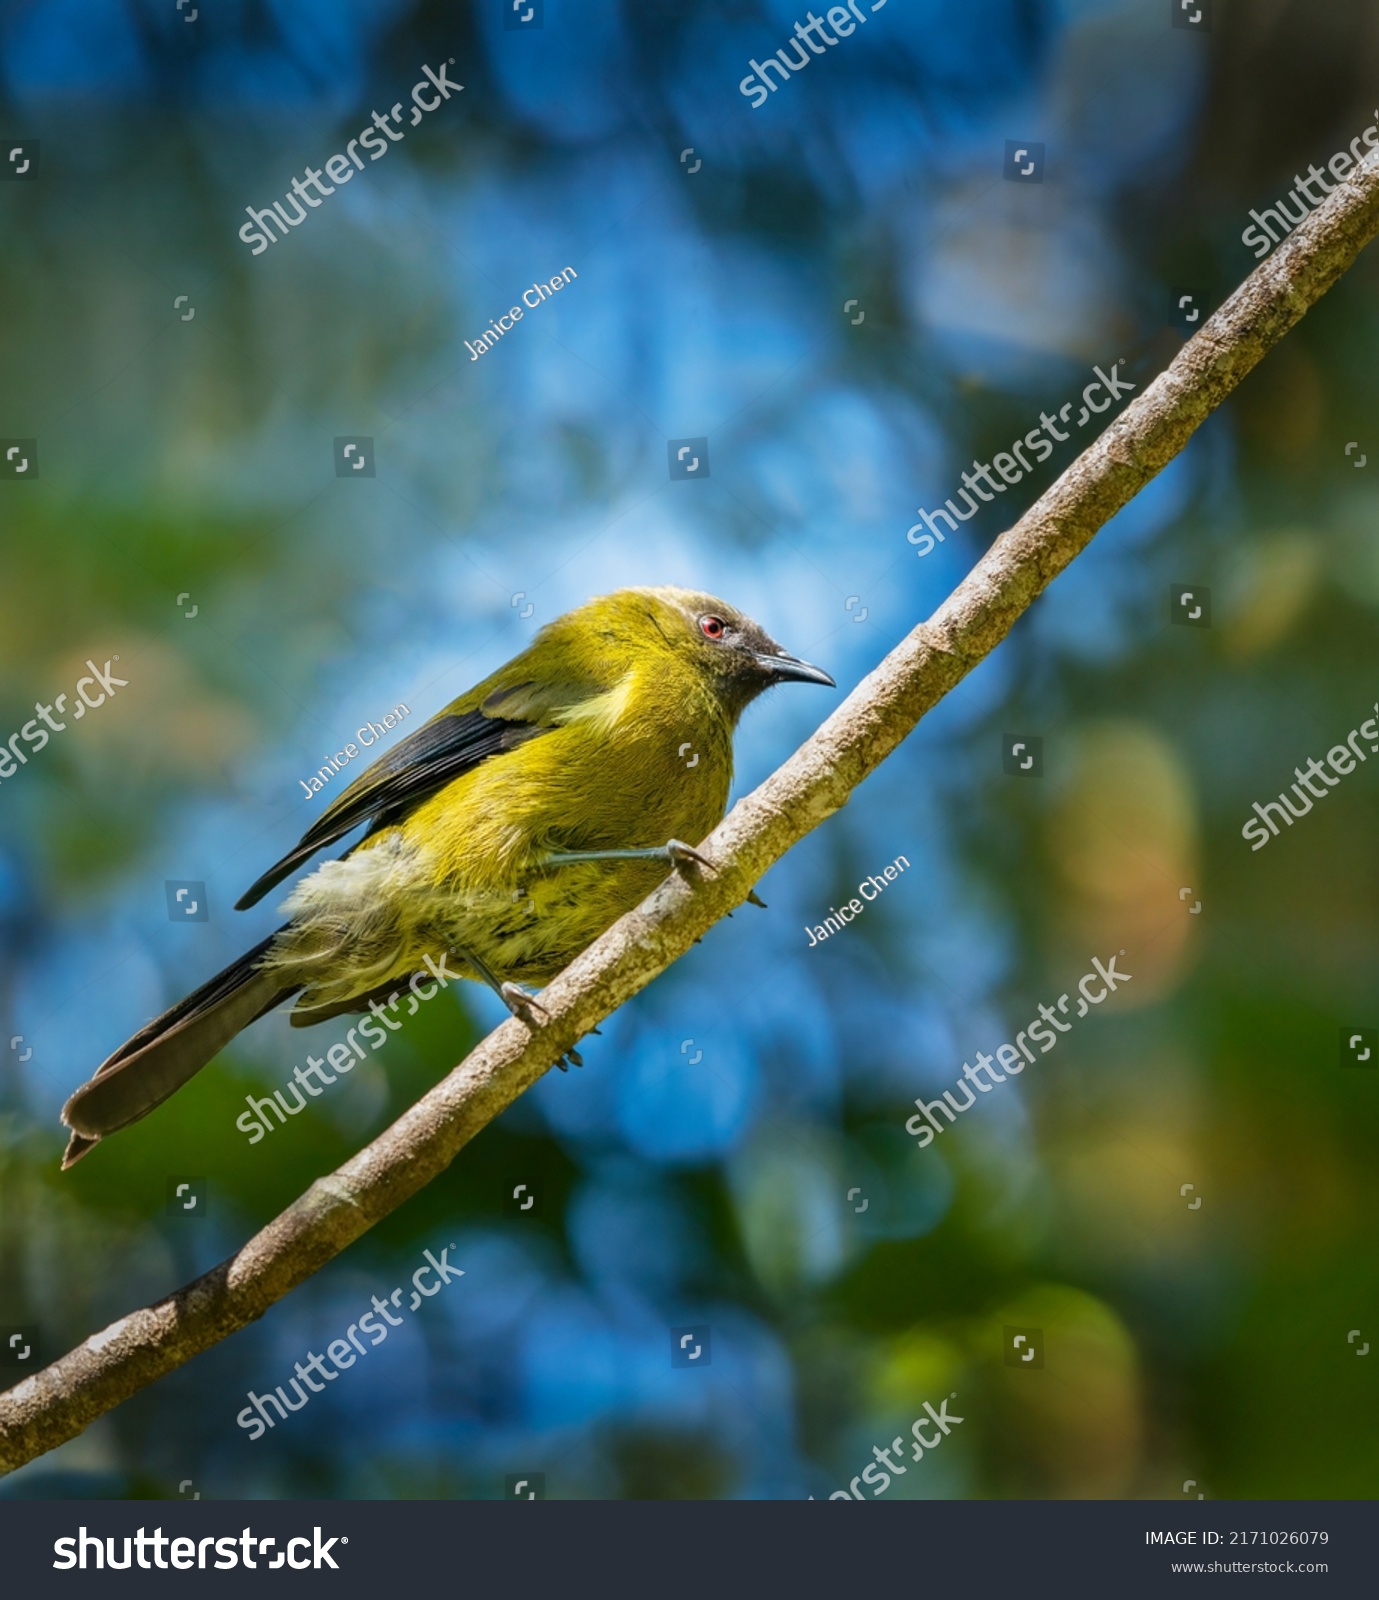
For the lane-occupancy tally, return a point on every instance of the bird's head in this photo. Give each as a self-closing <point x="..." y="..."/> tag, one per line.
<point x="733" y="654"/>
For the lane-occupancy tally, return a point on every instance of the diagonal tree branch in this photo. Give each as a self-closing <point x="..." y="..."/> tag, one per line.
<point x="57" y="1403"/>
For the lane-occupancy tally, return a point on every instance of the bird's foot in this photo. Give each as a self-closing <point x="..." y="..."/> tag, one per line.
<point x="680" y="856"/>
<point x="522" y="1003"/>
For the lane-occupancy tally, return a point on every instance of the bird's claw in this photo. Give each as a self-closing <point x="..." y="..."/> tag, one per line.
<point x="755" y="899"/>
<point x="682" y="854"/>
<point x="521" y="1004"/>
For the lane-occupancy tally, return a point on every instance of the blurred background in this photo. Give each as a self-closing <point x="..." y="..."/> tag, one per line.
<point x="843" y="294"/>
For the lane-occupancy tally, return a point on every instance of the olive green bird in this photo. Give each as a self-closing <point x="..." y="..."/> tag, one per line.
<point x="505" y="834"/>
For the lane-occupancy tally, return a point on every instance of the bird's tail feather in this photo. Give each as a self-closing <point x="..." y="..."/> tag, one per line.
<point x="161" y="1057"/>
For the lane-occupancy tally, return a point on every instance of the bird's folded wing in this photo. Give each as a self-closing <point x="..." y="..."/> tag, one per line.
<point x="451" y="744"/>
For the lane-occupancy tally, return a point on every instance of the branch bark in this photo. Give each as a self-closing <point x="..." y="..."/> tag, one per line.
<point x="58" y="1402"/>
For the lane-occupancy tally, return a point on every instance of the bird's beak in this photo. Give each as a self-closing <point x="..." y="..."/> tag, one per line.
<point x="790" y="669"/>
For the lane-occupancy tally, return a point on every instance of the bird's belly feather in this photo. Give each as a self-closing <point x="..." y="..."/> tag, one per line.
<point x="463" y="873"/>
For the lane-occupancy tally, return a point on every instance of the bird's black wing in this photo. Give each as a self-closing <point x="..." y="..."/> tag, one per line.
<point x="437" y="753"/>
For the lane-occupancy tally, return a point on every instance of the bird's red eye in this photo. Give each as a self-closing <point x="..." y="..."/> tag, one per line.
<point x="711" y="627"/>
